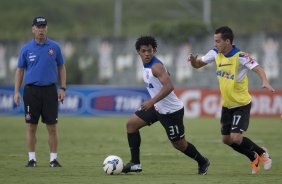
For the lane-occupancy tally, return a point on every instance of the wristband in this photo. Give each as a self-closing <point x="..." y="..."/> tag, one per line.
<point x="63" y="88"/>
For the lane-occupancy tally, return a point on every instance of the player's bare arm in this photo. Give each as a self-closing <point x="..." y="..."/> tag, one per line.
<point x="265" y="84"/>
<point x="195" y="61"/>
<point x="62" y="79"/>
<point x="18" y="82"/>
<point x="159" y="71"/>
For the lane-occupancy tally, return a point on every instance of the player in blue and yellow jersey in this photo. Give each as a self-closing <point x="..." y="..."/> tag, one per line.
<point x="42" y="63"/>
<point x="232" y="66"/>
<point x="163" y="106"/>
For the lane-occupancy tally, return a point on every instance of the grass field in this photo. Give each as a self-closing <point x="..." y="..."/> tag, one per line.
<point x="86" y="141"/>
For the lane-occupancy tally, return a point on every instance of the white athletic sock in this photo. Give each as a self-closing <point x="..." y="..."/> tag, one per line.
<point x="53" y="156"/>
<point x="31" y="156"/>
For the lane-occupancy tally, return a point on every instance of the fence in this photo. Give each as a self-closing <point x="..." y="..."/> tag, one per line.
<point x="115" y="62"/>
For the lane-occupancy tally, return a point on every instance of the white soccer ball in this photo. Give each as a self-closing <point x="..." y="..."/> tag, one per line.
<point x="113" y="165"/>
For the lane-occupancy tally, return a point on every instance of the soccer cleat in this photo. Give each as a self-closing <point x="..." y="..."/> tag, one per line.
<point x="203" y="169"/>
<point x="31" y="163"/>
<point x="131" y="167"/>
<point x="255" y="165"/>
<point x="55" y="163"/>
<point x="265" y="159"/>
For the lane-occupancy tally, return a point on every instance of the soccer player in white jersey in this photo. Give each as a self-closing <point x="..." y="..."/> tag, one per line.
<point x="164" y="106"/>
<point x="232" y="66"/>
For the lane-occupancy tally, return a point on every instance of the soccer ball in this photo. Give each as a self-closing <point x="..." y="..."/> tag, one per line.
<point x="113" y="165"/>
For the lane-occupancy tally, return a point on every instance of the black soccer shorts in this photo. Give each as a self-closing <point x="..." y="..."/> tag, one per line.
<point x="41" y="101"/>
<point x="172" y="123"/>
<point x="235" y="120"/>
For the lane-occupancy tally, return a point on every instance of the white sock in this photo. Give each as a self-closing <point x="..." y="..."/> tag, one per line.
<point x="31" y="156"/>
<point x="53" y="156"/>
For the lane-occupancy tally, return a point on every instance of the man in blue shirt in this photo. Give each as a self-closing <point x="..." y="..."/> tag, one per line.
<point x="42" y="62"/>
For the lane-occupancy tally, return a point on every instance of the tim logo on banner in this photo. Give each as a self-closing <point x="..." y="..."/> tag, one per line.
<point x="115" y="102"/>
<point x="81" y="100"/>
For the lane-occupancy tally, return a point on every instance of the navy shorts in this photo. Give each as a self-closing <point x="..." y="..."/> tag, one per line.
<point x="235" y="120"/>
<point x="41" y="101"/>
<point x="172" y="123"/>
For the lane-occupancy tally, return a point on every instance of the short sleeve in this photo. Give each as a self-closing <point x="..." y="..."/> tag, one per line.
<point x="22" y="59"/>
<point x="59" y="59"/>
<point x="247" y="61"/>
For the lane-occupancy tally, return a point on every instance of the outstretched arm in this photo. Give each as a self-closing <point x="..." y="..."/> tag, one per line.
<point x="195" y="61"/>
<point x="265" y="84"/>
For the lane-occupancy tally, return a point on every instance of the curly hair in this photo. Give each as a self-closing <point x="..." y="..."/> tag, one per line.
<point x="146" y="40"/>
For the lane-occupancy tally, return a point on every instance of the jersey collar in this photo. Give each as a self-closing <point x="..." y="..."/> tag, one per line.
<point x="232" y="52"/>
<point x="149" y="65"/>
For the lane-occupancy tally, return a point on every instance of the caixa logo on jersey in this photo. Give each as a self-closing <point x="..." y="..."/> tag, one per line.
<point x="115" y="101"/>
<point x="7" y="105"/>
<point x="73" y="104"/>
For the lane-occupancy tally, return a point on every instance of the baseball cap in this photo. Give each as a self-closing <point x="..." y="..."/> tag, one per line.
<point x="37" y="21"/>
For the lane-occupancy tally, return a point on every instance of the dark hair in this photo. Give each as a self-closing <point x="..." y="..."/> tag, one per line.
<point x="226" y="33"/>
<point x="146" y="40"/>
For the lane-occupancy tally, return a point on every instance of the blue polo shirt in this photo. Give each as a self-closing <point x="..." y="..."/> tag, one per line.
<point x="41" y="62"/>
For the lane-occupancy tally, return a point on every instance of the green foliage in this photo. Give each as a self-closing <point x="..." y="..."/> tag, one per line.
<point x="248" y="16"/>
<point x="179" y="31"/>
<point x="84" y="142"/>
<point x="90" y="18"/>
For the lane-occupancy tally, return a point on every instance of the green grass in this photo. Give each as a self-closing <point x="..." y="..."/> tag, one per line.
<point x="84" y="142"/>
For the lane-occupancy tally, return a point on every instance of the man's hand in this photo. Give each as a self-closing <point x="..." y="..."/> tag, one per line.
<point x="192" y="58"/>
<point x="268" y="86"/>
<point x="195" y="61"/>
<point x="61" y="95"/>
<point x="147" y="105"/>
<point x="17" y="98"/>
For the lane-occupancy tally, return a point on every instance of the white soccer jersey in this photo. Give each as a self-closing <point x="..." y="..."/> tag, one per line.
<point x="171" y="103"/>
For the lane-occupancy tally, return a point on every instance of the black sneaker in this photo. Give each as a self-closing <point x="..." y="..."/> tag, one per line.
<point x="55" y="163"/>
<point x="203" y="169"/>
<point x="131" y="167"/>
<point x="31" y="163"/>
